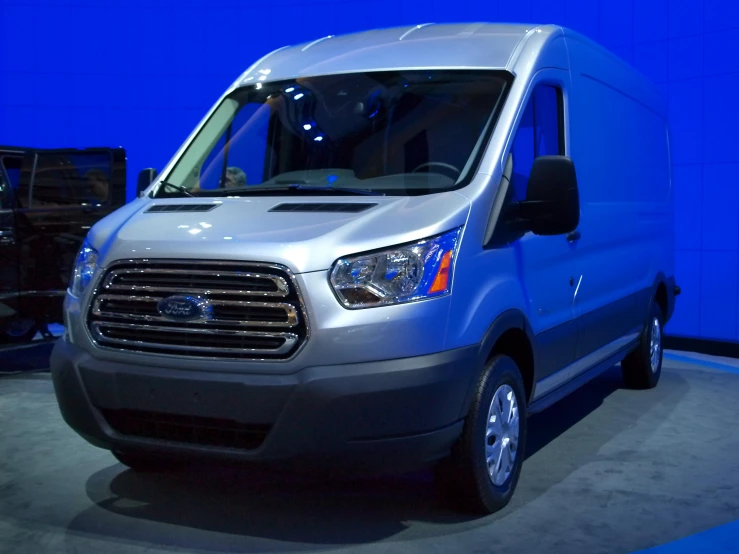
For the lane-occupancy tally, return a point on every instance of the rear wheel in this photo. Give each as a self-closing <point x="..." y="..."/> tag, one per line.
<point x="146" y="463"/>
<point x="483" y="470"/>
<point x="642" y="368"/>
<point x="19" y="330"/>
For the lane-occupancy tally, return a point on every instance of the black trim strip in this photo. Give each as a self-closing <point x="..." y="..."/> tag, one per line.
<point x="726" y="349"/>
<point x="574" y="384"/>
<point x="561" y="121"/>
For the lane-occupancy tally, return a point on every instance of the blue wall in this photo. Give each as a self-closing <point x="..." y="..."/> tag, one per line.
<point x="141" y="73"/>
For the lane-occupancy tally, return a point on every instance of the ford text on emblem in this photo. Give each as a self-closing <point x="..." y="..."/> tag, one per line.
<point x="185" y="308"/>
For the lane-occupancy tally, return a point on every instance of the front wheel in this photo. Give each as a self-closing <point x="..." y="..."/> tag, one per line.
<point x="483" y="470"/>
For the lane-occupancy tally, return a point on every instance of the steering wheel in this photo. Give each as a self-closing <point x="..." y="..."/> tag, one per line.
<point x="443" y="165"/>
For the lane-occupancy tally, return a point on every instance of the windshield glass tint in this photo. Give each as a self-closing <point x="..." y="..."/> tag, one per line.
<point x="400" y="132"/>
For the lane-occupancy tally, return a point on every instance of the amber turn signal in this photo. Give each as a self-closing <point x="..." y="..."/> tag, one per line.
<point x="441" y="281"/>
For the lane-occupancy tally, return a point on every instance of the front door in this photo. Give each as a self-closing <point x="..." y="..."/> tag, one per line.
<point x="62" y="194"/>
<point x="548" y="265"/>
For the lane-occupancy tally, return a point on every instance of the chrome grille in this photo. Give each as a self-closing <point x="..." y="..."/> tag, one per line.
<point x="254" y="310"/>
<point x="198" y="281"/>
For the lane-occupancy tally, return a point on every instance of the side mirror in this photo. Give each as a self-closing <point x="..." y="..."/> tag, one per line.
<point x="552" y="205"/>
<point x="146" y="177"/>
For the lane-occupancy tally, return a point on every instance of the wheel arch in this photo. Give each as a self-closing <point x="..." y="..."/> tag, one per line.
<point x="663" y="293"/>
<point x="510" y="334"/>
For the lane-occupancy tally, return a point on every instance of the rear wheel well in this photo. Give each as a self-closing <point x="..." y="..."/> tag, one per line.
<point x="661" y="298"/>
<point x="515" y="344"/>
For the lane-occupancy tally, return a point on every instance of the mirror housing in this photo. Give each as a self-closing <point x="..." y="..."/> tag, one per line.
<point x="552" y="205"/>
<point x="146" y="177"/>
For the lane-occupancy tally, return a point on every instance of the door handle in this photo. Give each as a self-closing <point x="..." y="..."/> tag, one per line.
<point x="573" y="236"/>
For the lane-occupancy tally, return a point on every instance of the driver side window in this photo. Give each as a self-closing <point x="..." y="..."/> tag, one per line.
<point x="240" y="151"/>
<point x="540" y="133"/>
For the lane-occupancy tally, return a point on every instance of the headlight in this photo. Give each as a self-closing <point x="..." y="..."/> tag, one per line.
<point x="402" y="274"/>
<point x="84" y="268"/>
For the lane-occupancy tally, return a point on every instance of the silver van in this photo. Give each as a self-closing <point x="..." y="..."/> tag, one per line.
<point x="380" y="252"/>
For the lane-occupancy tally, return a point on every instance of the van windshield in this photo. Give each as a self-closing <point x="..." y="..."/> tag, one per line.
<point x="394" y="132"/>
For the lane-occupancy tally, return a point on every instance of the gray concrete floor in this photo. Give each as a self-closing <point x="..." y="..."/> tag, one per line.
<point x="608" y="470"/>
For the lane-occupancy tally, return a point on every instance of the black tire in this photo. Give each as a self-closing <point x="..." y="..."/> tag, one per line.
<point x="146" y="463"/>
<point x="463" y="478"/>
<point x="637" y="368"/>
<point x="19" y="332"/>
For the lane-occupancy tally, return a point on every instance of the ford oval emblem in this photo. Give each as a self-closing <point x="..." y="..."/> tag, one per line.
<point x="185" y="308"/>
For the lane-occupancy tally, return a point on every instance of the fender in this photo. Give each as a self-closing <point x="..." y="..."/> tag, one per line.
<point x="510" y="319"/>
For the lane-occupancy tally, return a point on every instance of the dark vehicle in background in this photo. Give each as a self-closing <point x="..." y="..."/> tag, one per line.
<point x="49" y="199"/>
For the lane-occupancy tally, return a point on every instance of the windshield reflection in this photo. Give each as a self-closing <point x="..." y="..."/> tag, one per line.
<point x="399" y="133"/>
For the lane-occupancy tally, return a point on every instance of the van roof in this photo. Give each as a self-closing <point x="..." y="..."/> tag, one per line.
<point x="463" y="45"/>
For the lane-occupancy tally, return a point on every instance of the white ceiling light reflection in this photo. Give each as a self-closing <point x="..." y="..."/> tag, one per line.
<point x="227" y="238"/>
<point x="307" y="126"/>
<point x="195" y="231"/>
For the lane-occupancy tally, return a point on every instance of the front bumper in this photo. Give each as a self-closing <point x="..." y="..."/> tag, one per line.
<point x="389" y="415"/>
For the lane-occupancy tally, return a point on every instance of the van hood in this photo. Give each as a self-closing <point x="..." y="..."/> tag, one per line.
<point x="250" y="229"/>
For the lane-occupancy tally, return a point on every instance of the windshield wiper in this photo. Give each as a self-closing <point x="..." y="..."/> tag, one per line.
<point x="259" y="189"/>
<point x="178" y="188"/>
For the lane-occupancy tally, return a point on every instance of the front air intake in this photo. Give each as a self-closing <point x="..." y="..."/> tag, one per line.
<point x="181" y="208"/>
<point x="339" y="207"/>
<point x="190" y="430"/>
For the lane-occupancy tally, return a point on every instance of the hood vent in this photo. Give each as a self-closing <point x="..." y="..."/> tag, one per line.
<point x="181" y="208"/>
<point x="324" y="207"/>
